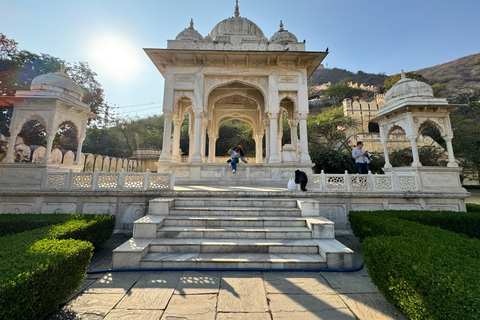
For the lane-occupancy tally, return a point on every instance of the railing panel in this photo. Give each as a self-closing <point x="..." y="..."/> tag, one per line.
<point x="56" y="181"/>
<point x="133" y="181"/>
<point x="107" y="181"/>
<point x="82" y="181"/>
<point x="159" y="181"/>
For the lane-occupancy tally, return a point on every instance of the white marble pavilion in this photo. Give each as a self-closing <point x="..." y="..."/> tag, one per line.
<point x="235" y="72"/>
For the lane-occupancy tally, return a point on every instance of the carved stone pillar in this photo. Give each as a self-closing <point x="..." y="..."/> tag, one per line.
<point x="293" y="134"/>
<point x="204" y="138"/>
<point x="11" y="146"/>
<point x="212" y="141"/>
<point x="451" y="157"/>
<point x="259" y="148"/>
<point x="167" y="138"/>
<point x="267" y="141"/>
<point x="280" y="136"/>
<point x="274" y="157"/>
<point x="48" y="148"/>
<point x="197" y="138"/>
<point x="177" y="126"/>
<point x="79" y="149"/>
<point x="304" y="156"/>
<point x="416" y="158"/>
<point x="383" y="141"/>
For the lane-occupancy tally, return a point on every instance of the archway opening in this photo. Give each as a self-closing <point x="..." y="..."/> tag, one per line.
<point x="66" y="137"/>
<point x="232" y="133"/>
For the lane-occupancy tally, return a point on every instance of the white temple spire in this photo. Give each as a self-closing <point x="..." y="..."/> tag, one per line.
<point x="237" y="12"/>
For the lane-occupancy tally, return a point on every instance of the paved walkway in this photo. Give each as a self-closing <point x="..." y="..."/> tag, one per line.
<point x="227" y="295"/>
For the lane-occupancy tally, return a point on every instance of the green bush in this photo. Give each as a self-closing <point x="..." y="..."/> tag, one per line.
<point x="473" y="207"/>
<point x="90" y="227"/>
<point x="427" y="278"/>
<point x="426" y="271"/>
<point x="16" y="223"/>
<point x="40" y="268"/>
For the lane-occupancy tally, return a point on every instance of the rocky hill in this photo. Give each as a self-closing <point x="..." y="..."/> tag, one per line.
<point x="459" y="74"/>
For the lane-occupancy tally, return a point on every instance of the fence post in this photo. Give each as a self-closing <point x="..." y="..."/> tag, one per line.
<point x="121" y="179"/>
<point x="95" y="179"/>
<point x="323" y="181"/>
<point x="371" y="181"/>
<point x="68" y="180"/>
<point x="347" y="181"/>
<point x="172" y="179"/>
<point x="146" y="180"/>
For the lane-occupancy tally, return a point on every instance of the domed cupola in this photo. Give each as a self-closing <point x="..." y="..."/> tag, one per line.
<point x="283" y="35"/>
<point x="189" y="34"/>
<point x="408" y="88"/>
<point x="236" y="25"/>
<point x="59" y="82"/>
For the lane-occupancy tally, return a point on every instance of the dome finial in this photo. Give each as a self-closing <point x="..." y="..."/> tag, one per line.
<point x="62" y="68"/>
<point x="403" y="75"/>
<point x="281" y="26"/>
<point x="237" y="12"/>
<point x="191" y="25"/>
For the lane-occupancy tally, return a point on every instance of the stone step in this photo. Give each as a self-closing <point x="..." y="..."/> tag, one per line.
<point x="278" y="246"/>
<point x="232" y="260"/>
<point x="235" y="211"/>
<point x="233" y="221"/>
<point x="235" y="232"/>
<point x="235" y="202"/>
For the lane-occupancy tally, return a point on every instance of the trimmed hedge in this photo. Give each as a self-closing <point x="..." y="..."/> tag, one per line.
<point x="40" y="268"/>
<point x="427" y="272"/>
<point x="90" y="227"/>
<point x="473" y="207"/>
<point x="16" y="223"/>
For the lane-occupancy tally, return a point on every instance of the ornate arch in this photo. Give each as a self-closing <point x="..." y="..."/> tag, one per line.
<point x="23" y="121"/>
<point x="260" y="83"/>
<point x="436" y="123"/>
<point x="235" y="116"/>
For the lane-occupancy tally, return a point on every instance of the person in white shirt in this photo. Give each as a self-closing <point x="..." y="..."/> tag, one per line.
<point x="361" y="160"/>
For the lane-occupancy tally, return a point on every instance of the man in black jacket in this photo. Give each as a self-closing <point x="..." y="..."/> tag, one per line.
<point x="301" y="177"/>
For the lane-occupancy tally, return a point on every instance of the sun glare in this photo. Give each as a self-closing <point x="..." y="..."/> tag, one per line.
<point x="115" y="57"/>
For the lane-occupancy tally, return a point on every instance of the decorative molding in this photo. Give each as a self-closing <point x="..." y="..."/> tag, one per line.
<point x="212" y="82"/>
<point x="184" y="78"/>
<point x="287" y="79"/>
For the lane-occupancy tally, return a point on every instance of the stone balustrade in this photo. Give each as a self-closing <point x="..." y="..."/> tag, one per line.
<point x="363" y="182"/>
<point x="107" y="181"/>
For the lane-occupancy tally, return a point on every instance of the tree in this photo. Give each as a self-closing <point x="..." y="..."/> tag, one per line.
<point x="19" y="67"/>
<point x="329" y="126"/>
<point x="390" y="81"/>
<point x="466" y="130"/>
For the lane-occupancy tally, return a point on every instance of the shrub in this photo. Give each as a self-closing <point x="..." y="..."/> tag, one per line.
<point x="16" y="223"/>
<point x="40" y="268"/>
<point x="426" y="271"/>
<point x="473" y="207"/>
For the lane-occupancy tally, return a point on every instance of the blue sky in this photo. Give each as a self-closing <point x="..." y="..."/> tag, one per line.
<point x="372" y="36"/>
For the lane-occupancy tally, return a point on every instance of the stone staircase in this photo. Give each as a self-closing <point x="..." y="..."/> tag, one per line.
<point x="233" y="233"/>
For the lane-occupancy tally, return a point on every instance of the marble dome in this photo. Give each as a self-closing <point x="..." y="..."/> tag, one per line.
<point x="236" y="25"/>
<point x="189" y="34"/>
<point x="283" y="35"/>
<point x="58" y="81"/>
<point x="407" y="88"/>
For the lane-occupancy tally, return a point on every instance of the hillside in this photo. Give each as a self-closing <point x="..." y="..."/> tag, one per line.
<point x="462" y="73"/>
<point x="335" y="75"/>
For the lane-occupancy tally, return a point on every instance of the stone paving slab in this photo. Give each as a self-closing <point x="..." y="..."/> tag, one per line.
<point x="114" y="282"/>
<point x="296" y="283"/>
<point x="242" y="291"/>
<point x="191" y="307"/>
<point x="244" y="316"/>
<point x="305" y="302"/>
<point x="124" y="314"/>
<point x="371" y="306"/>
<point x="349" y="282"/>
<point x="152" y="291"/>
<point x="342" y="314"/>
<point x="197" y="282"/>
<point x="90" y="306"/>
